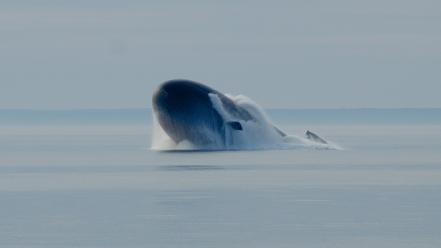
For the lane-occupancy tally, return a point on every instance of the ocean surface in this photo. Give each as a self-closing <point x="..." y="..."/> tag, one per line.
<point x="87" y="178"/>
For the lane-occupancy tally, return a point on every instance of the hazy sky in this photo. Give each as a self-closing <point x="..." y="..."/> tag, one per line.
<point x="301" y="54"/>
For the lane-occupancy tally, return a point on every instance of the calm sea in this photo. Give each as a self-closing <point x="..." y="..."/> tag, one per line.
<point x="87" y="178"/>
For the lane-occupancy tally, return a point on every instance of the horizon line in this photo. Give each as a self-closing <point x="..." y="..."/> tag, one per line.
<point x="274" y="108"/>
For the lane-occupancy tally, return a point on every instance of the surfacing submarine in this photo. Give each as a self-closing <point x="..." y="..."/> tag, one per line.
<point x="209" y="120"/>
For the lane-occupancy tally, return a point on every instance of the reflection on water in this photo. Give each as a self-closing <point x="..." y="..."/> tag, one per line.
<point x="189" y="167"/>
<point x="102" y="187"/>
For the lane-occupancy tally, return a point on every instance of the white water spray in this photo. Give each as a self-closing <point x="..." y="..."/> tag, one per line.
<point x="257" y="134"/>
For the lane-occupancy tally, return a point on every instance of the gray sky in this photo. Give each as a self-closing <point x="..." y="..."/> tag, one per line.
<point x="301" y="54"/>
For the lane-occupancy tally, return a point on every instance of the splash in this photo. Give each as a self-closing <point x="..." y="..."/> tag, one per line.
<point x="161" y="141"/>
<point x="257" y="134"/>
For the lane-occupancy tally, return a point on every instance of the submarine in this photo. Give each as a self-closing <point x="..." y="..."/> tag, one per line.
<point x="194" y="112"/>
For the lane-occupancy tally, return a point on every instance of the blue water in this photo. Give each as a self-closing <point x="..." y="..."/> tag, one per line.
<point x="86" y="178"/>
